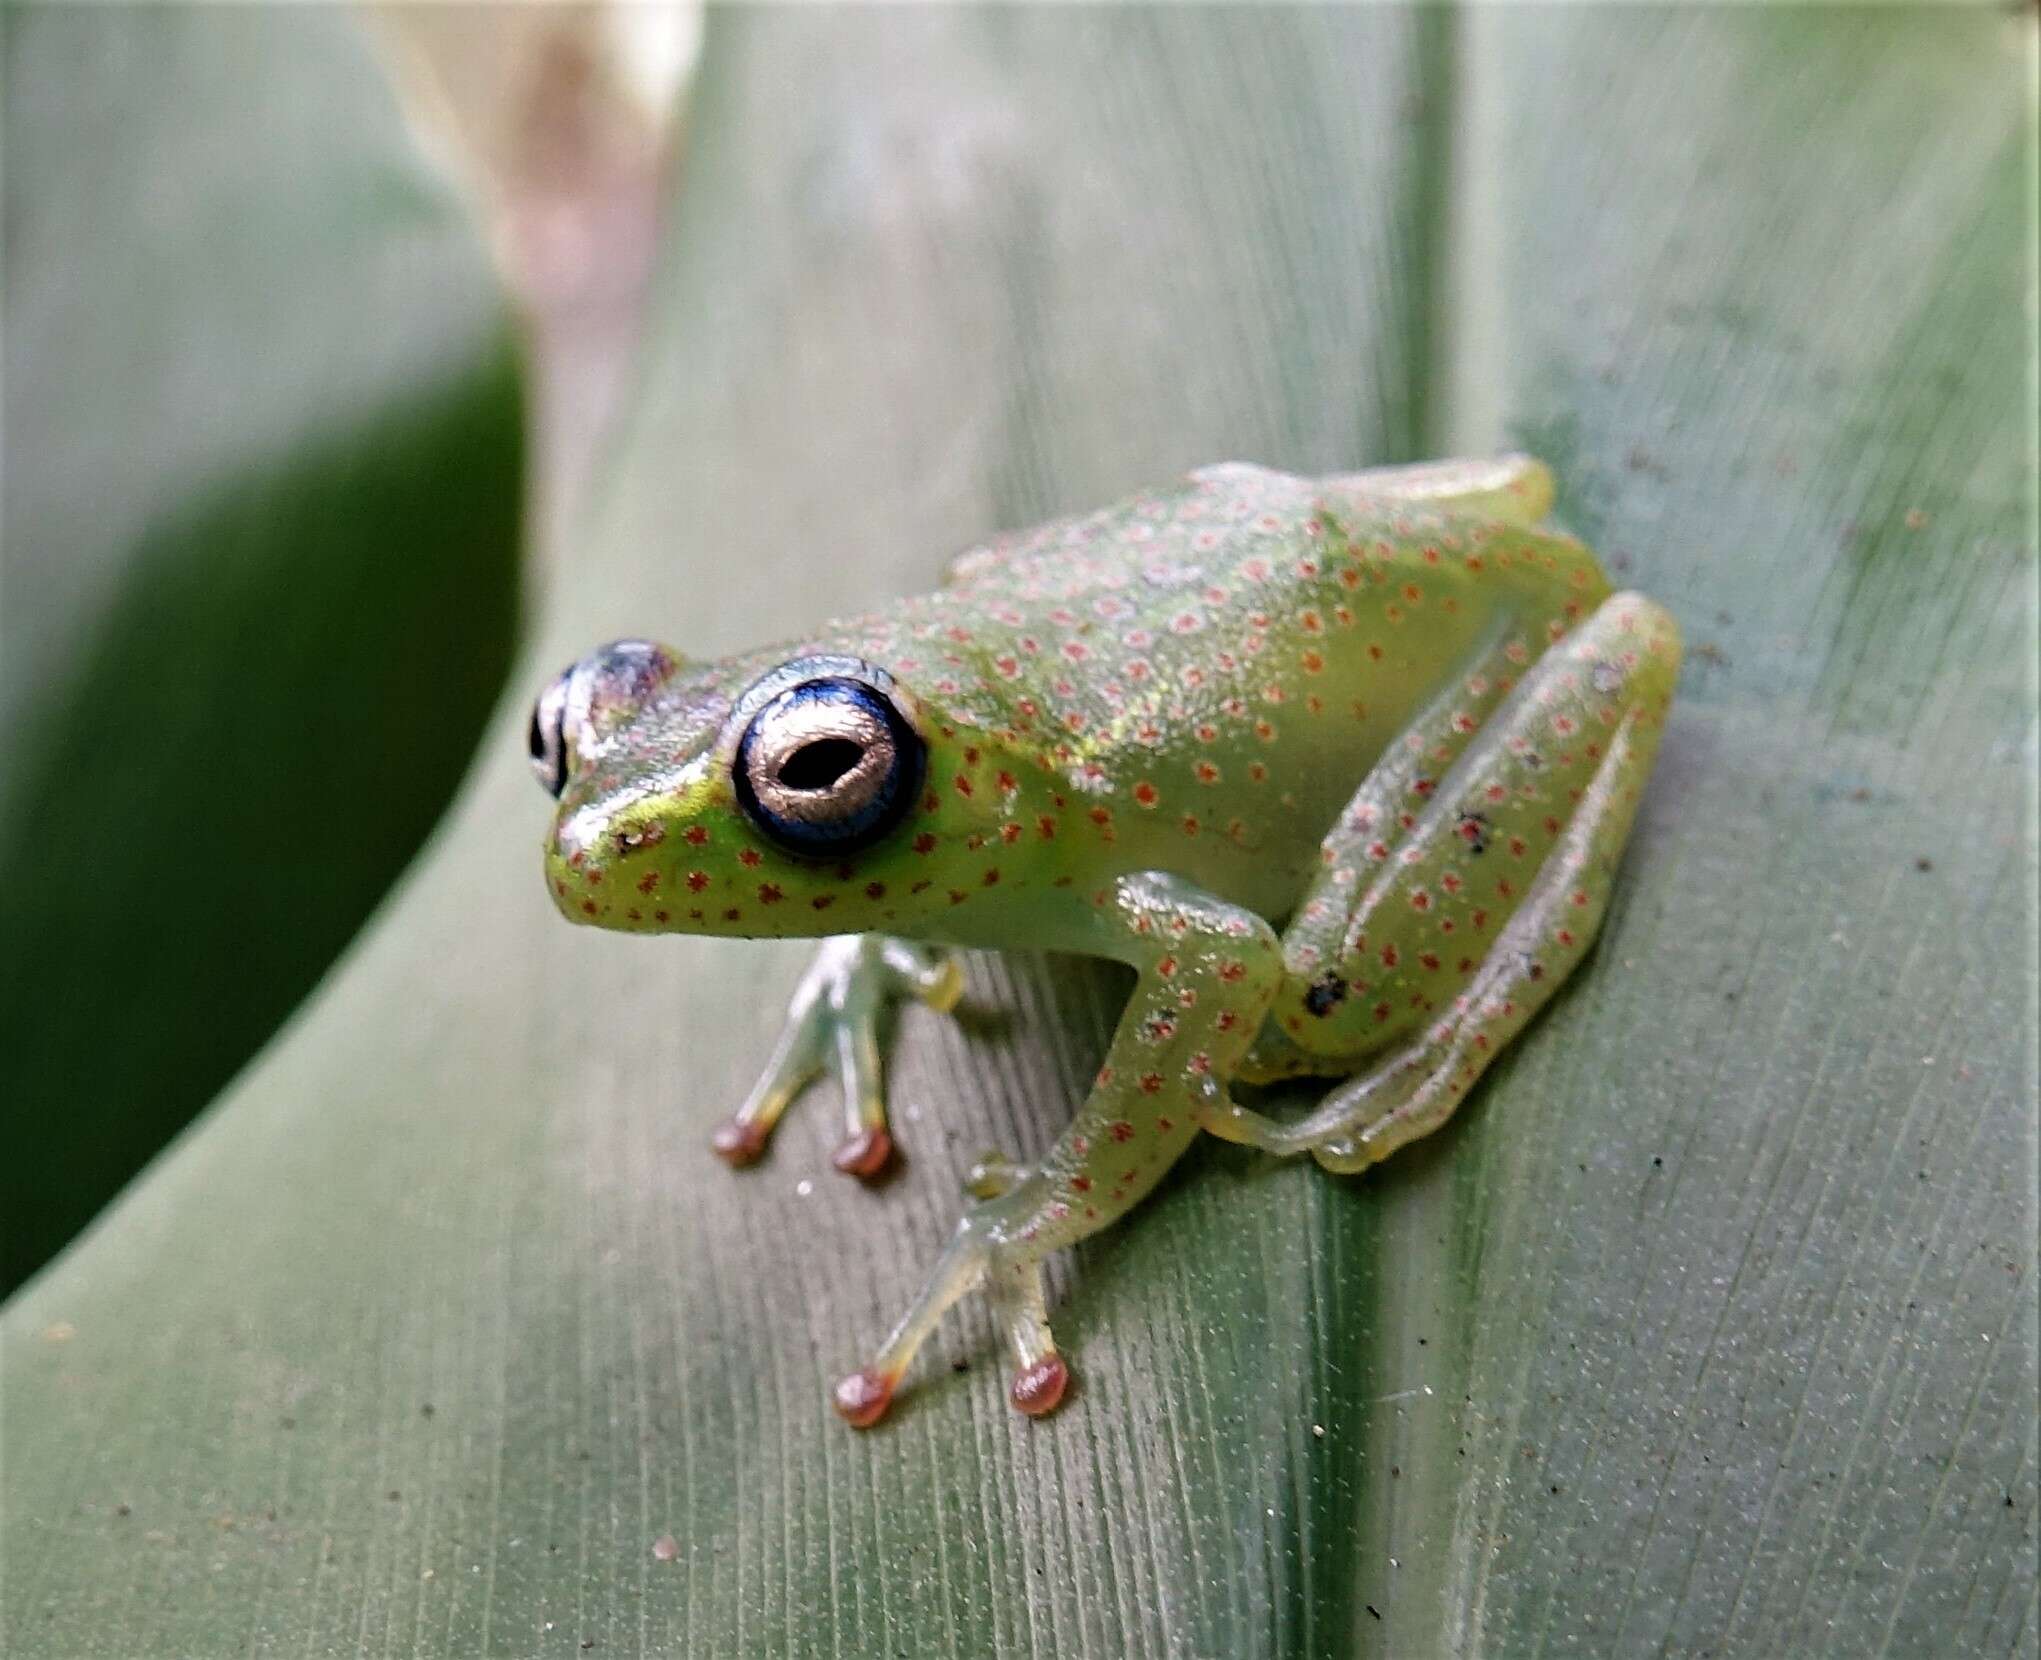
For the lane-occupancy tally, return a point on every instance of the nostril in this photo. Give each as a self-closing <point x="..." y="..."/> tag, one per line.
<point x="580" y="836"/>
<point x="632" y="841"/>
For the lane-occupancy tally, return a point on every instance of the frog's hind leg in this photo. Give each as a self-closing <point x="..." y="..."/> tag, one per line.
<point x="1509" y="489"/>
<point x="1417" y="1088"/>
<point x="834" y="1021"/>
<point x="1372" y="834"/>
<point x="1556" y="785"/>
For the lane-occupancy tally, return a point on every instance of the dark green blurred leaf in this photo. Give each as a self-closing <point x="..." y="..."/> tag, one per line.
<point x="1709" y="1328"/>
<point x="262" y="494"/>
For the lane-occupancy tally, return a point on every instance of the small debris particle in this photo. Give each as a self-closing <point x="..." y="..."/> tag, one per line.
<point x="588" y="1642"/>
<point x="1860" y="793"/>
<point x="288" y="1423"/>
<point x="803" y="1188"/>
<point x="1924" y="863"/>
<point x="123" y="1510"/>
<point x="1657" y="1163"/>
<point x="393" y="1495"/>
<point x="429" y="1575"/>
<point x="665" y="1548"/>
<point x="1318" y="1430"/>
<point x="426" y="1409"/>
<point x="960" y="1366"/>
<point x="1372" y="1609"/>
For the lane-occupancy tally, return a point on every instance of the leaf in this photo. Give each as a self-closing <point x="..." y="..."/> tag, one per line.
<point x="1707" y="1327"/>
<point x="262" y="502"/>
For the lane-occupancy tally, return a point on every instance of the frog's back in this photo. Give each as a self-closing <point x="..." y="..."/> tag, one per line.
<point x="1230" y="593"/>
<point x="1230" y="653"/>
<point x="1149" y="552"/>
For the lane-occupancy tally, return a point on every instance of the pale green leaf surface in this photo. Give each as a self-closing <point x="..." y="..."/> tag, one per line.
<point x="1709" y="1328"/>
<point x="259" y="548"/>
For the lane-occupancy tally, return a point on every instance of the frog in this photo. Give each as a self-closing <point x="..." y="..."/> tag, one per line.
<point x="1341" y="766"/>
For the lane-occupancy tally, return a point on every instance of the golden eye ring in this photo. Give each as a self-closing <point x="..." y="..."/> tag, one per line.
<point x="828" y="766"/>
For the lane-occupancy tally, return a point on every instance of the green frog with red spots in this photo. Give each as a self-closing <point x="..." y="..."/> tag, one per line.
<point x="1342" y="767"/>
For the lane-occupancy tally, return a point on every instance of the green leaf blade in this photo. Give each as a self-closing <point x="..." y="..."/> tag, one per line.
<point x="262" y="530"/>
<point x="987" y="266"/>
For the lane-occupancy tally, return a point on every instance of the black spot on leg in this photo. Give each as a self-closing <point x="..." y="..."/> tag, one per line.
<point x="1327" y="992"/>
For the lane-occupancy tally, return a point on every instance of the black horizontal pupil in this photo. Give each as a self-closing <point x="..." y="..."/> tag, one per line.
<point x="818" y="765"/>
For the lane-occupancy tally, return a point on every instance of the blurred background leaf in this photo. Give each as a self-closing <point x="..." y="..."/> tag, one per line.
<point x="1708" y="1328"/>
<point x="261" y="526"/>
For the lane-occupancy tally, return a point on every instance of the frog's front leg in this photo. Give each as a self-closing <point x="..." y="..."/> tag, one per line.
<point x="1208" y="971"/>
<point x="834" y="1020"/>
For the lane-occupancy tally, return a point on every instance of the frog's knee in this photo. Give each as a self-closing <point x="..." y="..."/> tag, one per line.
<point x="1645" y="625"/>
<point x="1508" y="489"/>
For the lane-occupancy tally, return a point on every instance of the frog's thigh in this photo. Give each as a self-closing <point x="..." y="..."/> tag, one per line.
<point x="1490" y="900"/>
<point x="1369" y="836"/>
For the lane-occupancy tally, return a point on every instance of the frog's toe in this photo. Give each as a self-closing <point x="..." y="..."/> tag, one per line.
<point x="738" y="1142"/>
<point x="1039" y="1386"/>
<point x="865" y="1154"/>
<point x="863" y="1396"/>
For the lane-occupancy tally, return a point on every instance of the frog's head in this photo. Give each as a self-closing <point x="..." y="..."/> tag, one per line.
<point x="751" y="797"/>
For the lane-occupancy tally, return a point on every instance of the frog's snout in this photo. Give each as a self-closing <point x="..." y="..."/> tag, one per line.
<point x="611" y="864"/>
<point x="577" y="865"/>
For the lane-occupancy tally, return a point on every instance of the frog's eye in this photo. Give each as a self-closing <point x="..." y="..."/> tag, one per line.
<point x="586" y="701"/>
<point x="545" y="740"/>
<point x="828" y="766"/>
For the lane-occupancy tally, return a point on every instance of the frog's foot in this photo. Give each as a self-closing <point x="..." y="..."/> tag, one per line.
<point x="1338" y="1121"/>
<point x="983" y="1255"/>
<point x="834" y="1022"/>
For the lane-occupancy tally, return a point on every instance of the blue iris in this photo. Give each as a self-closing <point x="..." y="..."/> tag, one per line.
<point x="859" y="824"/>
